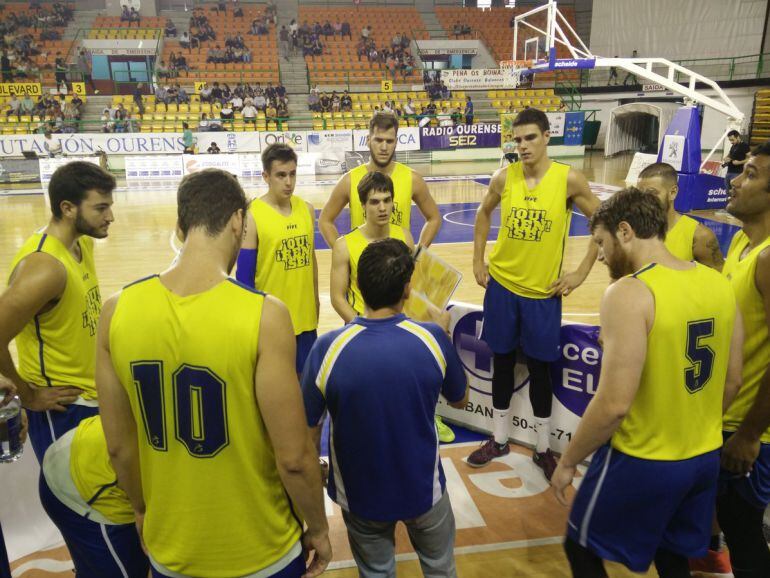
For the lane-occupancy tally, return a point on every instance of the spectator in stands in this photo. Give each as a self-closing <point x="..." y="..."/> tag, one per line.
<point x="184" y="40"/>
<point x="227" y="94"/>
<point x="407" y="65"/>
<point x="260" y="102"/>
<point x="227" y="113"/>
<point x="203" y="123"/>
<point x="53" y="147"/>
<point x="205" y="93"/>
<point x="366" y="32"/>
<point x="328" y="29"/>
<point x="170" y="30"/>
<point x="237" y="10"/>
<point x="181" y="95"/>
<point x="313" y="102"/>
<point x="138" y="97"/>
<point x="396" y="42"/>
<point x="346" y="30"/>
<point x="326" y="103"/>
<point x="736" y="158"/>
<point x="280" y="90"/>
<point x="60" y="68"/>
<point x="431" y="108"/>
<point x="457" y="117"/>
<point x="307" y="46"/>
<point x="271" y="112"/>
<point x="236" y="101"/>
<point x="362" y="49"/>
<point x="390" y="63"/>
<point x="213" y="149"/>
<point x="5" y="65"/>
<point x="27" y="106"/>
<point x="613" y="75"/>
<point x="14" y="107"/>
<point x="246" y="56"/>
<point x="468" y="110"/>
<point x="373" y="54"/>
<point x="457" y="29"/>
<point x="283" y="43"/>
<point x="346" y="102"/>
<point x="409" y="111"/>
<point x="161" y="94"/>
<point x="630" y="76"/>
<point x="125" y="15"/>
<point x="335" y="101"/>
<point x="270" y="91"/>
<point x="283" y="108"/>
<point x="161" y="70"/>
<point x="387" y="107"/>
<point x="134" y="17"/>
<point x="249" y="112"/>
<point x="222" y="6"/>
<point x="77" y="102"/>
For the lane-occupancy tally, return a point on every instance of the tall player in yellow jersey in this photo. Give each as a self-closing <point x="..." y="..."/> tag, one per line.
<point x="80" y="493"/>
<point x="686" y="238"/>
<point x="375" y="193"/>
<point x="671" y="364"/>
<point x="524" y="282"/>
<point x="51" y="306"/>
<point x="745" y="491"/>
<point x="202" y="409"/>
<point x="407" y="184"/>
<point x="278" y="253"/>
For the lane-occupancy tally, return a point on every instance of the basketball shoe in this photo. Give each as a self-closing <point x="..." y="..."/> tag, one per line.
<point x="488" y="451"/>
<point x="445" y="433"/>
<point x="546" y="461"/>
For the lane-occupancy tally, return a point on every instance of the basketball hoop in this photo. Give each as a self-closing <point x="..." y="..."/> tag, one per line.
<point x="513" y="70"/>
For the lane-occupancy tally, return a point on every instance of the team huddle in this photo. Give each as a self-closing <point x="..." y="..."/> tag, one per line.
<point x="178" y="424"/>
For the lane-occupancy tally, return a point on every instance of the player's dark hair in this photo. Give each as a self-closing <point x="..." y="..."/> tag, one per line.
<point x="71" y="182"/>
<point x="384" y="269"/>
<point x="208" y="199"/>
<point x="662" y="170"/>
<point x="532" y="116"/>
<point x="374" y="181"/>
<point x="277" y="152"/>
<point x="762" y="150"/>
<point x="642" y="211"/>
<point x="734" y="133"/>
<point x="383" y="121"/>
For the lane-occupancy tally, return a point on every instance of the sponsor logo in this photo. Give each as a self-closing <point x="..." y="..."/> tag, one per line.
<point x="575" y="375"/>
<point x="527" y="224"/>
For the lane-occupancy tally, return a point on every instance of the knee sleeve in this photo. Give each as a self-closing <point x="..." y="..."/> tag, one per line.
<point x="502" y="380"/>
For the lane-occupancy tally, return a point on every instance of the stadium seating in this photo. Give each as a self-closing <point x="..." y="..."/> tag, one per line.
<point x="516" y="100"/>
<point x="21" y="124"/>
<point x="760" y="118"/>
<point x="264" y="50"/>
<point x="339" y="63"/>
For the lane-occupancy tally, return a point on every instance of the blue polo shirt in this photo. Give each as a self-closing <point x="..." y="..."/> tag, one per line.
<point x="380" y="380"/>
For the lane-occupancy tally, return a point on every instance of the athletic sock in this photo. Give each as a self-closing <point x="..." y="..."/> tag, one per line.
<point x="543" y="429"/>
<point x="500" y="429"/>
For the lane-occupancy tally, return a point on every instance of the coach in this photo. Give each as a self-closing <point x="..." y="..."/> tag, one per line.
<point x="380" y="377"/>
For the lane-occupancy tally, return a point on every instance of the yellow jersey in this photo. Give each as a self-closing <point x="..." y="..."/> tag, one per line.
<point x="356" y="243"/>
<point x="58" y="347"/>
<point x="680" y="237"/>
<point x="402" y="199"/>
<point x="741" y="271"/>
<point x="285" y="260"/>
<point x="216" y="506"/>
<point x="534" y="225"/>
<point x="677" y="411"/>
<point x="93" y="474"/>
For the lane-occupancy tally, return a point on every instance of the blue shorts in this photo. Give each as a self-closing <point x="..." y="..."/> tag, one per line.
<point x="511" y="321"/>
<point x="627" y="508"/>
<point x="294" y="570"/>
<point x="305" y="343"/>
<point x="45" y="427"/>
<point x="754" y="488"/>
<point x="97" y="550"/>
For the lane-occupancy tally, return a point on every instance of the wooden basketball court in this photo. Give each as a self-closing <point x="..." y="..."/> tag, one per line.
<point x="509" y="523"/>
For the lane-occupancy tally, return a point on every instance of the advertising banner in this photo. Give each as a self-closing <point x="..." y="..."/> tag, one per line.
<point x="638" y="164"/>
<point x="478" y="79"/>
<point x="136" y="143"/>
<point x="575" y="377"/>
<point x="296" y="139"/>
<point x="556" y="122"/>
<point x="154" y="167"/>
<point x="460" y="136"/>
<point x="573" y="127"/>
<point x="408" y="139"/>
<point x="19" y="170"/>
<point x="329" y="140"/>
<point x="48" y="166"/>
<point x="21" y="88"/>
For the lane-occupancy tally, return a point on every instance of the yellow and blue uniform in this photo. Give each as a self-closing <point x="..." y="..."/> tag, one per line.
<point x="661" y="466"/>
<point x="741" y="270"/>
<point x="215" y="504"/>
<point x="58" y="347"/>
<point x="402" y="199"/>
<point x="356" y="243"/>
<point x="680" y="238"/>
<point x="525" y="261"/>
<point x="285" y="266"/>
<point x="80" y="494"/>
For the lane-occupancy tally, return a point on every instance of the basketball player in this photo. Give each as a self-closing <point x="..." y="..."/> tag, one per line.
<point x="408" y="186"/>
<point x="671" y="364"/>
<point x="202" y="409"/>
<point x="278" y="254"/>
<point x="523" y="281"/>
<point x="80" y="493"/>
<point x="375" y="192"/>
<point x="686" y="238"/>
<point x="745" y="482"/>
<point x="52" y="303"/>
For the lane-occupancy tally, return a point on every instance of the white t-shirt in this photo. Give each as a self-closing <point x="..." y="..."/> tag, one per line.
<point x="237" y="102"/>
<point x="249" y="111"/>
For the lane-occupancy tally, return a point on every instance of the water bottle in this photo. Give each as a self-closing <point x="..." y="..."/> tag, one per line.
<point x="11" y="446"/>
